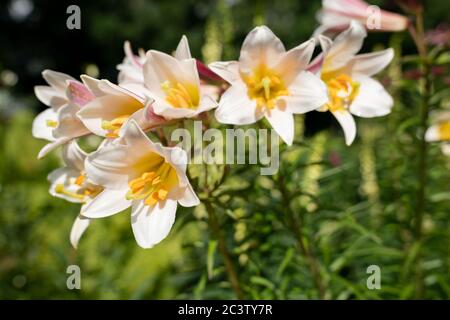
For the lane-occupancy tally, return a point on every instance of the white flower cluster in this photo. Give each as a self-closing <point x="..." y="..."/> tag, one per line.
<point x="156" y="89"/>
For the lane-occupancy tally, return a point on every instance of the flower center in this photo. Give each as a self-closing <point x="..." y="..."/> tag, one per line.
<point x="114" y="126"/>
<point x="342" y="90"/>
<point x="444" y="131"/>
<point x="265" y="86"/>
<point x="153" y="186"/>
<point x="181" y="95"/>
<point x="84" y="189"/>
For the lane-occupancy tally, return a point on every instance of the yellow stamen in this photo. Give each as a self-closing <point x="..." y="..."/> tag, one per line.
<point x="113" y="126"/>
<point x="153" y="186"/>
<point x="265" y="86"/>
<point x="181" y="95"/>
<point x="51" y="123"/>
<point x="342" y="90"/>
<point x="62" y="190"/>
<point x="80" y="179"/>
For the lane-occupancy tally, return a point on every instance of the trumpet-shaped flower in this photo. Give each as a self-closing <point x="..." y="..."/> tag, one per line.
<point x="336" y="15"/>
<point x="65" y="97"/>
<point x="269" y="82"/>
<point x="174" y="83"/>
<point x="71" y="183"/>
<point x="146" y="176"/>
<point x="113" y="106"/>
<point x="348" y="77"/>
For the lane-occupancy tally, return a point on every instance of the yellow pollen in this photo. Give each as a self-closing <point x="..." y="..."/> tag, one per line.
<point x="181" y="95"/>
<point x="265" y="86"/>
<point x="153" y="186"/>
<point x="114" y="126"/>
<point x="62" y="190"/>
<point x="51" y="123"/>
<point x="342" y="90"/>
<point x="80" y="179"/>
<point x="444" y="131"/>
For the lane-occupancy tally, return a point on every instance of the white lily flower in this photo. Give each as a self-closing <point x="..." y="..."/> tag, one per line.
<point x="58" y="124"/>
<point x="269" y="82"/>
<point x="130" y="70"/>
<point x="113" y="106"/>
<point x="146" y="176"/>
<point x="174" y="83"/>
<point x="348" y="77"/>
<point x="70" y="183"/>
<point x="336" y="15"/>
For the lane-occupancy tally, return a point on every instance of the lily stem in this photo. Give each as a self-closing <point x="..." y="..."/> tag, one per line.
<point x="297" y="231"/>
<point x="229" y="266"/>
<point x="418" y="36"/>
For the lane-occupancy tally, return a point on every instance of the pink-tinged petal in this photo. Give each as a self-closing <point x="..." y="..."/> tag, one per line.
<point x="78" y="228"/>
<point x="260" y="46"/>
<point x="152" y="224"/>
<point x="235" y="107"/>
<point x="206" y="73"/>
<point x="370" y="64"/>
<point x="228" y="70"/>
<point x="182" y="52"/>
<point x="283" y="123"/>
<point x="130" y="55"/>
<point x="106" y="203"/>
<point x="78" y="93"/>
<point x="347" y="123"/>
<point x="92" y="84"/>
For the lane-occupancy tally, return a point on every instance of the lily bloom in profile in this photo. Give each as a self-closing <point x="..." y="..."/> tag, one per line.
<point x="173" y="82"/>
<point x="58" y="124"/>
<point x="70" y="183"/>
<point x="440" y="131"/>
<point x="130" y="70"/>
<point x="348" y="78"/>
<point x="269" y="82"/>
<point x="336" y="15"/>
<point x="112" y="106"/>
<point x="146" y="176"/>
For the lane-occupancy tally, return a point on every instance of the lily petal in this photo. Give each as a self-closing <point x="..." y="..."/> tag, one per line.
<point x="152" y="224"/>
<point x="372" y="100"/>
<point x="283" y="123"/>
<point x="106" y="203"/>
<point x="235" y="107"/>
<point x="347" y="123"/>
<point x="40" y="128"/>
<point x="78" y="228"/>
<point x="260" y="46"/>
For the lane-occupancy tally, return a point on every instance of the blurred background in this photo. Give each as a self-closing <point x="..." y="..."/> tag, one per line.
<point x="358" y="201"/>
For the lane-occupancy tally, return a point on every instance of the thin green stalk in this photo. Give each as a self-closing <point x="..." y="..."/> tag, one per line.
<point x="418" y="35"/>
<point x="223" y="250"/>
<point x="297" y="231"/>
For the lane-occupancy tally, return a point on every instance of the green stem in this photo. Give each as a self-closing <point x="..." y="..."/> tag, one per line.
<point x="418" y="35"/>
<point x="297" y="231"/>
<point x="229" y="266"/>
